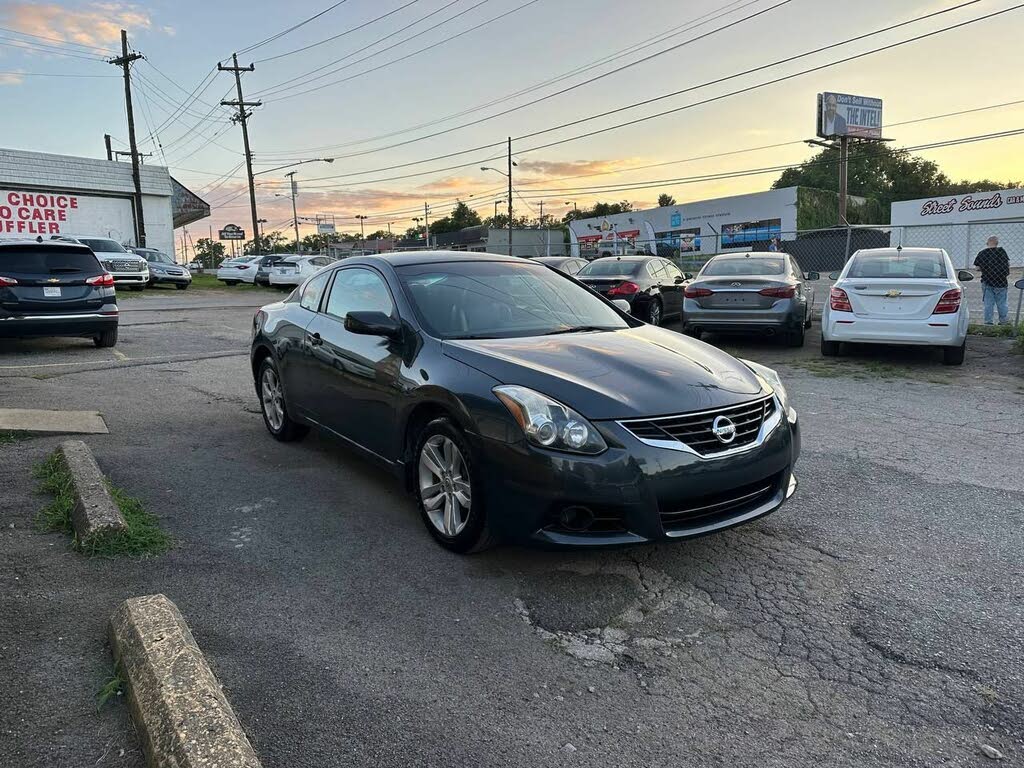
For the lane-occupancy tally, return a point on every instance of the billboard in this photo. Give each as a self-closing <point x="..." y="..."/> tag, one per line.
<point x="325" y="228"/>
<point x="743" y="234"/>
<point x="681" y="240"/>
<point x="840" y="114"/>
<point x="28" y="213"/>
<point x="231" y="232"/>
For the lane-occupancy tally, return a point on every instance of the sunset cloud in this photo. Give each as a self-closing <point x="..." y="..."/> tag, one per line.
<point x="11" y="78"/>
<point x="95" y="24"/>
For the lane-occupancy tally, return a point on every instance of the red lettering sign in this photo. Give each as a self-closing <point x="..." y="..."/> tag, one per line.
<point x="30" y="213"/>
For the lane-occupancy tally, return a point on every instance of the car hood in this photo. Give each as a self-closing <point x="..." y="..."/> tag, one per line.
<point x="635" y="372"/>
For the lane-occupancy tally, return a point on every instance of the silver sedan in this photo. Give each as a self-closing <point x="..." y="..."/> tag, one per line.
<point x="762" y="293"/>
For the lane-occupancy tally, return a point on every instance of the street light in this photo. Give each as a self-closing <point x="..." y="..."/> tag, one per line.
<point x="511" y="164"/>
<point x="292" y="165"/>
<point x="496" y="203"/>
<point x="362" y="232"/>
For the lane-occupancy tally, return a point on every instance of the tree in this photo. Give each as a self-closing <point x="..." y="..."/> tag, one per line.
<point x="462" y="216"/>
<point x="501" y="221"/>
<point x="665" y="200"/>
<point x="414" y="233"/>
<point x="883" y="173"/>
<point x="601" y="209"/>
<point x="380" y="234"/>
<point x="273" y="242"/>
<point x="209" y="252"/>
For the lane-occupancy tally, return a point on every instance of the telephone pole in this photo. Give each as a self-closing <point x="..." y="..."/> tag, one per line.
<point x="242" y="118"/>
<point x="509" y="195"/>
<point x="426" y="222"/>
<point x="295" y="214"/>
<point x="124" y="61"/>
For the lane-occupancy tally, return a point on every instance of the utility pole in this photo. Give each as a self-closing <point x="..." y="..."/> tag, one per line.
<point x="110" y="151"/>
<point x="509" y="195"/>
<point x="124" y="61"/>
<point x="242" y="118"/>
<point x="362" y="231"/>
<point x="295" y="215"/>
<point x="844" y="158"/>
<point x="426" y="222"/>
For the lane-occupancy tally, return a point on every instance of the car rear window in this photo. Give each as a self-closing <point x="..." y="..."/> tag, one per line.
<point x="745" y="266"/>
<point x="902" y="265"/>
<point x="102" y="245"/>
<point x="47" y="262"/>
<point x="611" y="267"/>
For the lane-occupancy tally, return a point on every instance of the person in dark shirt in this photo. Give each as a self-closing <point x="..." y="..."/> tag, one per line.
<point x="995" y="268"/>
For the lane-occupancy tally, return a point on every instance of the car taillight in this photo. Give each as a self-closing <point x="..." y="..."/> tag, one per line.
<point x="243" y="266"/>
<point x="624" y="289"/>
<point x="785" y="292"/>
<point x="104" y="280"/>
<point x="839" y="301"/>
<point x="6" y="281"/>
<point x="696" y="293"/>
<point x="949" y="303"/>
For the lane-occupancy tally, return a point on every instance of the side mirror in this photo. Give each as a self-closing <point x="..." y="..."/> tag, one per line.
<point x="622" y="304"/>
<point x="688" y="275"/>
<point x="373" y="324"/>
<point x="814" y="276"/>
<point x="680" y="279"/>
<point x="963" y="275"/>
<point x="1019" y="285"/>
<point x="833" y="275"/>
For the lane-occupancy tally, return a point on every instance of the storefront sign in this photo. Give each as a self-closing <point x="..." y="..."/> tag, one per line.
<point x="35" y="213"/>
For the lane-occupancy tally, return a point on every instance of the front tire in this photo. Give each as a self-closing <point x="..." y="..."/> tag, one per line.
<point x="954" y="355"/>
<point x="181" y="286"/>
<point x="105" y="338"/>
<point x="448" y="491"/>
<point x="279" y="423"/>
<point x="694" y="333"/>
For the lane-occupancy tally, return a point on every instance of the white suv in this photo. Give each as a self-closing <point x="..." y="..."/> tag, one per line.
<point x="898" y="296"/>
<point x="128" y="269"/>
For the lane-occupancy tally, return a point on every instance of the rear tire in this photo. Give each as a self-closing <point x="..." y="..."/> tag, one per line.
<point x="230" y="282"/>
<point x="137" y="287"/>
<point x="796" y="337"/>
<point x="279" y="423"/>
<point x="954" y="355"/>
<point x="105" y="338"/>
<point x="829" y="348"/>
<point x="655" y="314"/>
<point x="475" y="534"/>
<point x="694" y="333"/>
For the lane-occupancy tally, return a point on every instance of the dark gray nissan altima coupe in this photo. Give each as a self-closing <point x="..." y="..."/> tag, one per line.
<point x="516" y="403"/>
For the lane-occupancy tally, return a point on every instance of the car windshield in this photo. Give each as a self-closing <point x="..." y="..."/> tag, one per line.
<point x="747" y="266"/>
<point x="42" y="262"/>
<point x="101" y="245"/>
<point x="498" y="299"/>
<point x="158" y="257"/>
<point x="901" y="265"/>
<point x="610" y="267"/>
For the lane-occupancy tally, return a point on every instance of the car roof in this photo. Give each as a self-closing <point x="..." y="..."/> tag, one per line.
<point x="44" y="244"/>
<point x="748" y="254"/>
<point x="411" y="258"/>
<point x="631" y="259"/>
<point x="895" y="251"/>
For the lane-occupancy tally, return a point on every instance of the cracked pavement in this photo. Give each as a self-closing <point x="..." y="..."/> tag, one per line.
<point x="875" y="620"/>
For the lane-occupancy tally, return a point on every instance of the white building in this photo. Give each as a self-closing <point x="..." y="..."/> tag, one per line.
<point x="735" y="223"/>
<point x="962" y="223"/>
<point x="45" y="195"/>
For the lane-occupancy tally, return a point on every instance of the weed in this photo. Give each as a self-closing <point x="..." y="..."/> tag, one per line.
<point x="992" y="331"/>
<point x="114" y="686"/>
<point x="142" y="537"/>
<point x="11" y="436"/>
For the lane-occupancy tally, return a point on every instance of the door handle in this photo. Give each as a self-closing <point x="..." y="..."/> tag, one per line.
<point x="315" y="340"/>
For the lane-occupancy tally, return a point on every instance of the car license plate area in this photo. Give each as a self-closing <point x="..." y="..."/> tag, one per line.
<point x="51" y="291"/>
<point x="737" y="299"/>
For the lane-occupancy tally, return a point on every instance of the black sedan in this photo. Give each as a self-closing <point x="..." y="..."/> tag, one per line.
<point x="570" y="265"/>
<point x="516" y="404"/>
<point x="55" y="288"/>
<point x="652" y="286"/>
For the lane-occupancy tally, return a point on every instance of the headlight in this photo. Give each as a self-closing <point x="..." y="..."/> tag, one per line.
<point x="549" y="424"/>
<point x="771" y="378"/>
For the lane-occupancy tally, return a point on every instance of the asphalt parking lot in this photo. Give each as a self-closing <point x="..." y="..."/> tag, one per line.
<point x="873" y="621"/>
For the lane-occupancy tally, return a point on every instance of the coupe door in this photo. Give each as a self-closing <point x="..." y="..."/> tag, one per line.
<point x="293" y="346"/>
<point x="672" y="288"/>
<point x="356" y="379"/>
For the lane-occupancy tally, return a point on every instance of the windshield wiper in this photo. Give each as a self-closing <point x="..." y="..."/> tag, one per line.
<point x="580" y="329"/>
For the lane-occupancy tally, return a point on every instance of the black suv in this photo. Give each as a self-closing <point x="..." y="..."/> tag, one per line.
<point x="55" y="288"/>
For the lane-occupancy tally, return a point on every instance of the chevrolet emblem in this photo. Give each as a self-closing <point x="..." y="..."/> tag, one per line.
<point x="53" y="280"/>
<point x="893" y="293"/>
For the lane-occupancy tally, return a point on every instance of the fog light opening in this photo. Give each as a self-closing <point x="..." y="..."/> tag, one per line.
<point x="576" y="519"/>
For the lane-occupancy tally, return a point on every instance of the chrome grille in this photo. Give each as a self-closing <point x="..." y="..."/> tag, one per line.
<point x="696" y="430"/>
<point x="121" y="265"/>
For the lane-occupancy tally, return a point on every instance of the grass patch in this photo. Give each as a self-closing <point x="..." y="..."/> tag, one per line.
<point x="991" y="331"/>
<point x="11" y="436"/>
<point x="142" y="538"/>
<point x="866" y="370"/>
<point x="112" y="688"/>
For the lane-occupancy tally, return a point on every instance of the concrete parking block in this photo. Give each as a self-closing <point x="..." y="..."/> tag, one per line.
<point x="52" y="422"/>
<point x="176" y="702"/>
<point x="95" y="513"/>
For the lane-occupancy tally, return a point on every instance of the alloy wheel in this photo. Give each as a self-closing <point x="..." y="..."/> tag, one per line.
<point x="655" y="313"/>
<point x="444" y="485"/>
<point x="273" y="399"/>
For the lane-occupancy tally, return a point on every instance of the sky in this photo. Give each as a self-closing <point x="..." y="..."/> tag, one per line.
<point x="367" y="82"/>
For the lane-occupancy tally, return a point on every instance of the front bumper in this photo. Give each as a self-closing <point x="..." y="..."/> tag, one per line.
<point x="157" y="278"/>
<point x="130" y="278"/>
<point x="784" y="314"/>
<point x="937" y="330"/>
<point x="634" y="493"/>
<point x="73" y="324"/>
<point x="289" y="280"/>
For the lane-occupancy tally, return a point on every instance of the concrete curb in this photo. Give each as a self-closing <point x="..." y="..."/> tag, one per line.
<point x="176" y="703"/>
<point x="95" y="512"/>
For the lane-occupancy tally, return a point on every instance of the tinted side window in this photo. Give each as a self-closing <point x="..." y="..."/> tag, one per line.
<point x="312" y="292"/>
<point x="359" y="290"/>
<point x="656" y="269"/>
<point x="672" y="270"/>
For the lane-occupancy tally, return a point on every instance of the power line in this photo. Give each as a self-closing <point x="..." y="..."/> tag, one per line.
<point x="306" y="75"/>
<point x="54" y="74"/>
<point x="445" y="41"/>
<point x="292" y="28"/>
<point x="661" y="37"/>
<point x="103" y="51"/>
<point x="339" y="35"/>
<point x="28" y="45"/>
<point x="176" y="84"/>
<point x="691" y="105"/>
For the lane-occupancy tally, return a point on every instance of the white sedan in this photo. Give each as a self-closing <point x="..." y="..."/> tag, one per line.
<point x="295" y="269"/>
<point x="898" y="296"/>
<point x="238" y="270"/>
